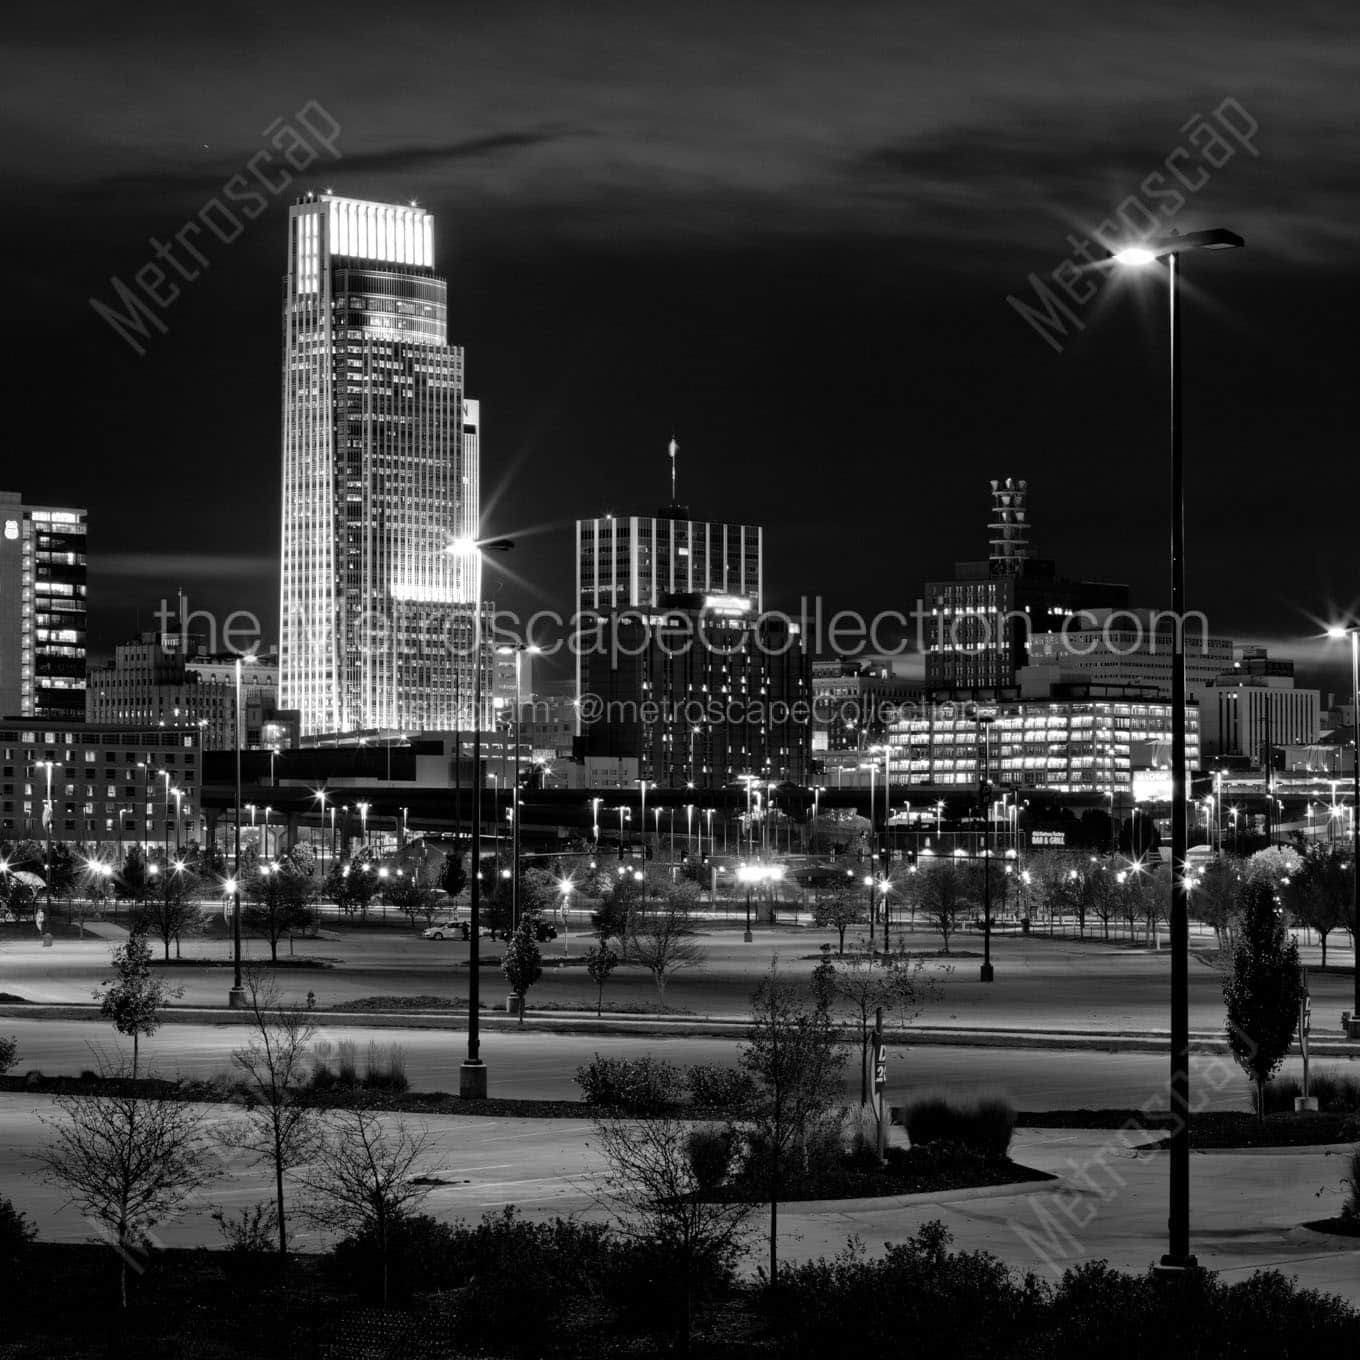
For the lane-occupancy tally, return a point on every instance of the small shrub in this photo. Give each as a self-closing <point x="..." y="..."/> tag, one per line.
<point x="347" y="1063"/>
<point x="252" y="1231"/>
<point x="716" y="1087"/>
<point x="386" y="1073"/>
<point x="983" y="1123"/>
<point x="1279" y="1094"/>
<point x="637" y="1085"/>
<point x="859" y="1135"/>
<point x="1350" y="1208"/>
<point x="16" y="1232"/>
<point x="9" y="1053"/>
<point x="1335" y="1091"/>
<point x="711" y="1150"/>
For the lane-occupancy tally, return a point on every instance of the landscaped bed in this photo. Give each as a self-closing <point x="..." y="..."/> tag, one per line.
<point x="930" y="1169"/>
<point x="1210" y="1129"/>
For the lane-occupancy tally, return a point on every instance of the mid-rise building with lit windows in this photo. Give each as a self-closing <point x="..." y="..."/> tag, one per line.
<point x="699" y="692"/>
<point x="1084" y="738"/>
<point x="42" y="610"/>
<point x="170" y="679"/>
<point x="380" y="476"/>
<point x="99" y="785"/>
<point x="632" y="561"/>
<point x="980" y="622"/>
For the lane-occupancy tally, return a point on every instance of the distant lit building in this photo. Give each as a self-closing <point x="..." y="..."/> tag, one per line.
<point x="1082" y="739"/>
<point x="43" y="604"/>
<point x="634" y="562"/>
<point x="1254" y="710"/>
<point x="1127" y="646"/>
<point x="380" y="476"/>
<point x="852" y="702"/>
<point x="701" y="691"/>
<point x="106" y="784"/>
<point x="980" y="622"/>
<point x="169" y="679"/>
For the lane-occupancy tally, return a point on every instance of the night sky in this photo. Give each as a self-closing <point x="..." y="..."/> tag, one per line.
<point x="784" y="233"/>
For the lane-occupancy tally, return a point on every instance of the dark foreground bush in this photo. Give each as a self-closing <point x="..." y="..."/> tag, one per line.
<point x="519" y="1275"/>
<point x="16" y="1233"/>
<point x="636" y="1085"/>
<point x="716" y="1087"/>
<point x="955" y="1304"/>
<point x="982" y="1123"/>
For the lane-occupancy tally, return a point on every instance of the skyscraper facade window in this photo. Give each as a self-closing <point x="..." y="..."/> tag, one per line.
<point x="380" y="476"/>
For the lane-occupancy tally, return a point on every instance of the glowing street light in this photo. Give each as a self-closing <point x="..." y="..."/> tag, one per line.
<point x="1140" y="254"/>
<point x="1353" y="633"/>
<point x="472" y="1077"/>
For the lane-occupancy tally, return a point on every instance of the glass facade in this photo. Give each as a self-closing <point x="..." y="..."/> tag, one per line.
<point x="43" y="606"/>
<point x="380" y="451"/>
<point x="1069" y="746"/>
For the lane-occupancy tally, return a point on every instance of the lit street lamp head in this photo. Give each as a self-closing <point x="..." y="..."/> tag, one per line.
<point x="1145" y="252"/>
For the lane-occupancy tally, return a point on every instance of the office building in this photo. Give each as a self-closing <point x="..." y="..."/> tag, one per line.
<point x="169" y="679"/>
<point x="1254" y="710"/>
<point x="1125" y="646"/>
<point x="380" y="476"/>
<point x="1087" y="738"/>
<point x="43" y="606"/>
<point x="853" y="701"/>
<point x="700" y="692"/>
<point x="980" y="623"/>
<point x="635" y="561"/>
<point x="105" y="784"/>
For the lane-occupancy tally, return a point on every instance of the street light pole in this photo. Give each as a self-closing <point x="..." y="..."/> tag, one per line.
<point x="1178" y="1257"/>
<point x="472" y="1075"/>
<point x="986" y="973"/>
<point x="1353" y="632"/>
<point x="236" y="997"/>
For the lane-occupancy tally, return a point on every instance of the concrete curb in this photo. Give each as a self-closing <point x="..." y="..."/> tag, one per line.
<point x="851" y="1206"/>
<point x="716" y="1027"/>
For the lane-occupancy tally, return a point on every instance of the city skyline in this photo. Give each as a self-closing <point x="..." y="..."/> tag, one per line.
<point x="701" y="305"/>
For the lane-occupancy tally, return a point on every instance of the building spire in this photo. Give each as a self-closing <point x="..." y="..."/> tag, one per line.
<point x="673" y="450"/>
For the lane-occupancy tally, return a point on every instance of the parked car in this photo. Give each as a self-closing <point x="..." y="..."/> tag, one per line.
<point x="442" y="930"/>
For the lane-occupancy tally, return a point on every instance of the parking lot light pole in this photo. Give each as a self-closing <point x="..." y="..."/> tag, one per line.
<point x="1353" y="632"/>
<point x="472" y="1074"/>
<point x="1178" y="1256"/>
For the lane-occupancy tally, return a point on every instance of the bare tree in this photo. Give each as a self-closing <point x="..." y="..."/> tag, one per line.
<point x="278" y="1131"/>
<point x="940" y="892"/>
<point x="663" y="937"/>
<point x="169" y="910"/>
<point x="360" y="1178"/>
<point x="894" y="982"/>
<point x="132" y="998"/>
<point x="840" y="909"/>
<point x="600" y="962"/>
<point x="794" y="1060"/>
<point x="279" y="896"/>
<point x="662" y="1175"/>
<point x="125" y="1160"/>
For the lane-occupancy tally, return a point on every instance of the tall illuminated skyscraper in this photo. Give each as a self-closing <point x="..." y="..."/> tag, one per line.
<point x="379" y="476"/>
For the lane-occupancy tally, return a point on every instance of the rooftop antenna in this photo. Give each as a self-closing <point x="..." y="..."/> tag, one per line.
<point x="673" y="450"/>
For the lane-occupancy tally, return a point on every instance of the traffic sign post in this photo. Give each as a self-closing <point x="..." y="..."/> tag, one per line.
<point x="880" y="1082"/>
<point x="1305" y="1101"/>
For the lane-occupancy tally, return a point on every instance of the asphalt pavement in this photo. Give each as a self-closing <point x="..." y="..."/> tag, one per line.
<point x="1109" y="1201"/>
<point x="1040" y="983"/>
